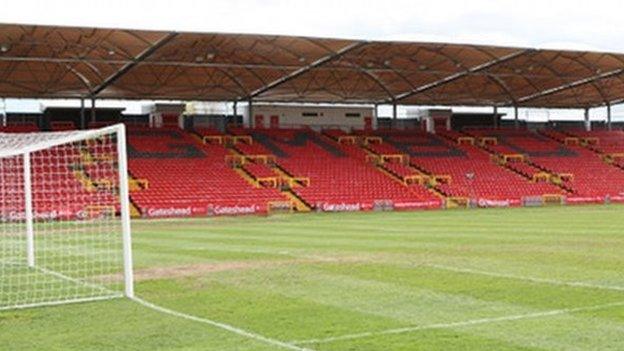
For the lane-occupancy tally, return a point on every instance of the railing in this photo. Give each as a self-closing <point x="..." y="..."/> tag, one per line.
<point x="239" y="160"/>
<point x="541" y="177"/>
<point x="347" y="139"/>
<point x="465" y="140"/>
<point x="590" y="141"/>
<point x="488" y="141"/>
<point x="612" y="158"/>
<point x="371" y="140"/>
<point x="571" y="141"/>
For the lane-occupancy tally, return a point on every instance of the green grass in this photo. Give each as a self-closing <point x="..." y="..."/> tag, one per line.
<point x="299" y="277"/>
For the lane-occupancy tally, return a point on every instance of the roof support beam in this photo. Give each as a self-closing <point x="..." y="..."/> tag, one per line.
<point x="323" y="60"/>
<point x="127" y="67"/>
<point x="377" y="81"/>
<point x="591" y="68"/>
<point x="572" y="85"/>
<point x="611" y="103"/>
<point x="449" y="79"/>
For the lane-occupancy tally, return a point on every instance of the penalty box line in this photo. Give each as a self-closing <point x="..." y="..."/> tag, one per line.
<point x="466" y="323"/>
<point x="227" y="327"/>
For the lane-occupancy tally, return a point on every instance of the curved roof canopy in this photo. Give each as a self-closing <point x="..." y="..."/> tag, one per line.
<point x="64" y="62"/>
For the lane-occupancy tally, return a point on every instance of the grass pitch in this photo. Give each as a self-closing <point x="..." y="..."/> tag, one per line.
<point x="508" y="279"/>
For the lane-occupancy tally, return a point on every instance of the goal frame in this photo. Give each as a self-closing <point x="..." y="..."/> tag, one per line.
<point x="119" y="130"/>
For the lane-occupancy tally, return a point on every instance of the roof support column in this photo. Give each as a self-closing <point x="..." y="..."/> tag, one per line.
<point x="394" y="114"/>
<point x="235" y="112"/>
<point x="82" y="114"/>
<point x="250" y="121"/>
<point x="609" y="126"/>
<point x="495" y="117"/>
<point x="375" y="116"/>
<point x="587" y="121"/>
<point x="3" y="112"/>
<point x="92" y="110"/>
<point x="516" y="121"/>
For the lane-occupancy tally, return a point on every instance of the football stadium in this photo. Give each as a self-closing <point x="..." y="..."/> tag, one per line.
<point x="339" y="201"/>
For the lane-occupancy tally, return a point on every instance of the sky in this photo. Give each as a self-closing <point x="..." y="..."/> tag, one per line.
<point x="556" y="24"/>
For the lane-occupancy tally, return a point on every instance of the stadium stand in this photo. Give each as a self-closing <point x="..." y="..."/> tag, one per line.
<point x="20" y="128"/>
<point x="209" y="172"/>
<point x="465" y="171"/>
<point x="188" y="178"/>
<point x="62" y="126"/>
<point x="52" y="180"/>
<point x="569" y="161"/>
<point x="339" y="177"/>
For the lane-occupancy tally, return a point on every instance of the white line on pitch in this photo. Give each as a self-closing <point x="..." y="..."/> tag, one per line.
<point x="529" y="279"/>
<point x="466" y="323"/>
<point x="223" y="326"/>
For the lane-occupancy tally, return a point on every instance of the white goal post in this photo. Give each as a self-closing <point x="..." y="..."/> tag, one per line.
<point x="64" y="218"/>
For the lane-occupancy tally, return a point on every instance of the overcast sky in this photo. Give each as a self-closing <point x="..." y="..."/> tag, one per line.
<point x="559" y="24"/>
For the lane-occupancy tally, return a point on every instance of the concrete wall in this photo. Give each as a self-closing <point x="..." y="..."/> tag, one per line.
<point x="314" y="116"/>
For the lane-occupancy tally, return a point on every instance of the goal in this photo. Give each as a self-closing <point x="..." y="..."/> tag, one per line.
<point x="64" y="218"/>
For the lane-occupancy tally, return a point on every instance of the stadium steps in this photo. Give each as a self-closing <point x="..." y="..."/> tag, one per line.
<point x="82" y="177"/>
<point x="490" y="151"/>
<point x="598" y="151"/>
<point x="241" y="172"/>
<point x="281" y="171"/>
<point x="399" y="179"/>
<point x="564" y="187"/>
<point x="389" y="173"/>
<point x="563" y="133"/>
<point x="300" y="204"/>
<point x="135" y="212"/>
<point x="197" y="137"/>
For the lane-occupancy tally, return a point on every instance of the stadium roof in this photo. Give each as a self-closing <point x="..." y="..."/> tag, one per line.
<point x="64" y="62"/>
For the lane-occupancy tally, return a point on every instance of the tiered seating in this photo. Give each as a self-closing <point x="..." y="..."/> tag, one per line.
<point x="400" y="170"/>
<point x="340" y="179"/>
<point x="207" y="131"/>
<point x="607" y="142"/>
<point x="451" y="135"/>
<point x="383" y="149"/>
<point x="59" y="192"/>
<point x="473" y="174"/>
<point x="339" y="171"/>
<point x="335" y="133"/>
<point x="259" y="170"/>
<point x="584" y="172"/>
<point x="100" y="124"/>
<point x="20" y="128"/>
<point x="252" y="149"/>
<point x="187" y="178"/>
<point x="62" y="126"/>
<point x="210" y="135"/>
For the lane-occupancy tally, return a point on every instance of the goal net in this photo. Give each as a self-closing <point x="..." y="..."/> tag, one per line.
<point x="64" y="218"/>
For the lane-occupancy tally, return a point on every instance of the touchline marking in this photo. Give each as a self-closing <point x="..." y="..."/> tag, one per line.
<point x="529" y="279"/>
<point x="459" y="324"/>
<point x="219" y="325"/>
